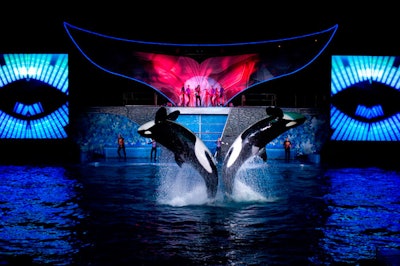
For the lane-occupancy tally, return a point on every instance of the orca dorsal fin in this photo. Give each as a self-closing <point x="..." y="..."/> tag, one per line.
<point x="161" y="114"/>
<point x="174" y="115"/>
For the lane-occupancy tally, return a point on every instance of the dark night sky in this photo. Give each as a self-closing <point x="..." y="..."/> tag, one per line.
<point x="371" y="31"/>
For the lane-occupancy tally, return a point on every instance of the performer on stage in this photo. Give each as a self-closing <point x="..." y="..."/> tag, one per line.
<point x="197" y="92"/>
<point x="188" y="92"/>
<point x="182" y="96"/>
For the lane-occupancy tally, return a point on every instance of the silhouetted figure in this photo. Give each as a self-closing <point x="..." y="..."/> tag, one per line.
<point x="121" y="146"/>
<point x="153" y="152"/>
<point x="197" y="92"/>
<point x="182" y="96"/>
<point x="221" y="96"/>
<point x="287" y="145"/>
<point x="218" y="154"/>
<point x="213" y="96"/>
<point x="188" y="93"/>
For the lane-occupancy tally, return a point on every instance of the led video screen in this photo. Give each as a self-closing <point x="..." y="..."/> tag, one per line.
<point x="365" y="98"/>
<point x="34" y="96"/>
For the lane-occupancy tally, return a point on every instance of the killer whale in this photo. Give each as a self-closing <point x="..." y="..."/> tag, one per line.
<point x="252" y="141"/>
<point x="184" y="144"/>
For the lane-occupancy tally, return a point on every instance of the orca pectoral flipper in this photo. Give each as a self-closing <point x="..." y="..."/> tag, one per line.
<point x="173" y="115"/>
<point x="161" y="115"/>
<point x="263" y="154"/>
<point x="178" y="159"/>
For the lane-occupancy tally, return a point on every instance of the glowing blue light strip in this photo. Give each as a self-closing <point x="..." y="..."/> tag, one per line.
<point x="335" y="117"/>
<point x="62" y="73"/>
<point x="45" y="126"/>
<point x="396" y="81"/>
<point x="38" y="108"/>
<point x="377" y="111"/>
<point x="352" y="69"/>
<point x="37" y="129"/>
<point x="349" y="75"/>
<point x="362" y="111"/>
<point x="5" y="125"/>
<point x="369" y="112"/>
<point x="28" y="110"/>
<point x="346" y="79"/>
<point x="387" y="69"/>
<point x="385" y="130"/>
<point x="2" y="82"/>
<point x="18" y="107"/>
<point x="10" y="126"/>
<point x="391" y="75"/>
<point x="354" y="130"/>
<point x="376" y="132"/>
<point x="30" y="133"/>
<point x="362" y="131"/>
<point x="393" y="122"/>
<point x="6" y="75"/>
<point x="62" y="115"/>
<point x="16" y="131"/>
<point x="2" y="118"/>
<point x="343" y="129"/>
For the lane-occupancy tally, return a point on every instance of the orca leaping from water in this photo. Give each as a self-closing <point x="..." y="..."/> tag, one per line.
<point x="185" y="145"/>
<point x="188" y="148"/>
<point x="252" y="141"/>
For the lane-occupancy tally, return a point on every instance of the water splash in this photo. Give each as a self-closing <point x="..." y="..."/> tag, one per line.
<point x="184" y="186"/>
<point x="254" y="183"/>
<point x="181" y="186"/>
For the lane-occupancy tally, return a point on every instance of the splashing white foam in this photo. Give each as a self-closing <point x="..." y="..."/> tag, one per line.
<point x="181" y="187"/>
<point x="184" y="186"/>
<point x="242" y="192"/>
<point x="253" y="182"/>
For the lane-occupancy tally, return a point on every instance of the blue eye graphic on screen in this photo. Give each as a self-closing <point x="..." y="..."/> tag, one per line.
<point x="364" y="98"/>
<point x="33" y="96"/>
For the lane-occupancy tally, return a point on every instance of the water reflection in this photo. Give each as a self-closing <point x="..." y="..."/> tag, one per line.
<point x="364" y="214"/>
<point x="40" y="214"/>
<point x="120" y="213"/>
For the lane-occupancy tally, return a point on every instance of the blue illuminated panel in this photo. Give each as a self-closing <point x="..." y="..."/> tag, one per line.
<point x="34" y="92"/>
<point x="207" y="127"/>
<point x="365" y="98"/>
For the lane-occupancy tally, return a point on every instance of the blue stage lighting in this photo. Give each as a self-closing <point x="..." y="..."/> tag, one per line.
<point x="34" y="92"/>
<point x="365" y="95"/>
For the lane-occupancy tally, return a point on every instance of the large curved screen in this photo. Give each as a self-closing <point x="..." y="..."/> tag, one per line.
<point x="226" y="70"/>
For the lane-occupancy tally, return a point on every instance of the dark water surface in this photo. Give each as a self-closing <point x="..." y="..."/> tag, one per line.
<point x="141" y="213"/>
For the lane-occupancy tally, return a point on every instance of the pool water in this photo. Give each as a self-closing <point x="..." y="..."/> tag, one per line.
<point x="141" y="213"/>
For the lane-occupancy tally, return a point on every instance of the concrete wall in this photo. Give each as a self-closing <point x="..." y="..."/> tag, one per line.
<point x="99" y="126"/>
